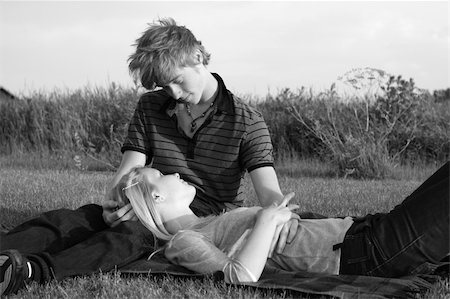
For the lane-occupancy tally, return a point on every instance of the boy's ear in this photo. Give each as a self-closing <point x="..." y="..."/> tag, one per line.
<point x="198" y="57"/>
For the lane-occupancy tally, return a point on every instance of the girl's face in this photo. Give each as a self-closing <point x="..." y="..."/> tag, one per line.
<point x="172" y="188"/>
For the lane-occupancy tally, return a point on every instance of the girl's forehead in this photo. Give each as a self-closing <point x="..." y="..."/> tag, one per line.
<point x="151" y="173"/>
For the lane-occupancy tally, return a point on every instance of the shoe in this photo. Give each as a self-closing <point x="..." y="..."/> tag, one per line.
<point x="13" y="272"/>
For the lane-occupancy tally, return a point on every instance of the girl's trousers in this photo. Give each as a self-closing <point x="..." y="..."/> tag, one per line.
<point x="413" y="238"/>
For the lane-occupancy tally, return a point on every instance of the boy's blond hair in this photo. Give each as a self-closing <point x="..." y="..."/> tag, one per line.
<point x="163" y="47"/>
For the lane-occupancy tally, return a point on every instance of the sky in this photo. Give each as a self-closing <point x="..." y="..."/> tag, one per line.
<point x="257" y="46"/>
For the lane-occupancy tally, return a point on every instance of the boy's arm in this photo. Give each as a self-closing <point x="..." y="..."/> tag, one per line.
<point x="111" y="215"/>
<point x="266" y="185"/>
<point x="268" y="191"/>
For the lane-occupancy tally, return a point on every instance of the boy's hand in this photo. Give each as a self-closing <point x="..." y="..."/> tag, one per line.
<point x="285" y="234"/>
<point x="113" y="214"/>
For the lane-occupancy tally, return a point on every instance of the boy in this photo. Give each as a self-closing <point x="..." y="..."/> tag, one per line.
<point x="195" y="127"/>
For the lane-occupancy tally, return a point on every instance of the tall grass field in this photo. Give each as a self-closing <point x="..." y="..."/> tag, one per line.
<point x="360" y="138"/>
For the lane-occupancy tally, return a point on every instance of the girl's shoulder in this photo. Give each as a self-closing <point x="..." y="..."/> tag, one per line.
<point x="213" y="227"/>
<point x="238" y="214"/>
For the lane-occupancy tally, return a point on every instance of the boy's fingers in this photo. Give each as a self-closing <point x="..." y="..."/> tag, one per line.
<point x="295" y="216"/>
<point x="109" y="204"/>
<point x="293" y="207"/>
<point x="118" y="221"/>
<point x="129" y="215"/>
<point x="282" y="237"/>
<point x="287" y="198"/>
<point x="123" y="210"/>
<point x="123" y="214"/>
<point x="292" y="229"/>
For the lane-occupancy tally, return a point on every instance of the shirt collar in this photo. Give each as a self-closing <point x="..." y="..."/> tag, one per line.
<point x="224" y="99"/>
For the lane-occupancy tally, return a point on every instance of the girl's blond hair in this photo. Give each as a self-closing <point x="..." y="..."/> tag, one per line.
<point x="132" y="188"/>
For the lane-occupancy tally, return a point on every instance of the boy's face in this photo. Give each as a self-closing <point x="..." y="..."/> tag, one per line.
<point x="187" y="84"/>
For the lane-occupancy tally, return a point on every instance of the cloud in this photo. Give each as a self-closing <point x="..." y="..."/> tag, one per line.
<point x="254" y="44"/>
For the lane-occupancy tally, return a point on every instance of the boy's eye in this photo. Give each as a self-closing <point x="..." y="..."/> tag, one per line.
<point x="177" y="80"/>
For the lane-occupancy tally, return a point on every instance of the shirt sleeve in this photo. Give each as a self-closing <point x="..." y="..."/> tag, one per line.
<point x="137" y="139"/>
<point x="196" y="252"/>
<point x="257" y="149"/>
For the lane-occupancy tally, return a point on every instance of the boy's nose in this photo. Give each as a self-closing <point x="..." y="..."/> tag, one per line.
<point x="177" y="174"/>
<point x="173" y="91"/>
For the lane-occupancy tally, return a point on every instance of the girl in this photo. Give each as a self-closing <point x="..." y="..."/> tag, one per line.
<point x="411" y="239"/>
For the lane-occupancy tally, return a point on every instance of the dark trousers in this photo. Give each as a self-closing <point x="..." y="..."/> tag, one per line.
<point x="412" y="238"/>
<point x="77" y="242"/>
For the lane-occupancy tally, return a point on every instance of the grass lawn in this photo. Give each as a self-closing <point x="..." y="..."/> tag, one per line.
<point x="26" y="192"/>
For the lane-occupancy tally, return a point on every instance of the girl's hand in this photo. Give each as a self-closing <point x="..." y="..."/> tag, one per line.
<point x="281" y="213"/>
<point x="254" y="252"/>
<point x="286" y="231"/>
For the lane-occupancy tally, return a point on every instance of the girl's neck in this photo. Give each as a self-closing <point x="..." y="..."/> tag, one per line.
<point x="181" y="222"/>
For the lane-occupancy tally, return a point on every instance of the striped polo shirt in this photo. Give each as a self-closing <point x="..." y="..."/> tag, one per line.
<point x="234" y="139"/>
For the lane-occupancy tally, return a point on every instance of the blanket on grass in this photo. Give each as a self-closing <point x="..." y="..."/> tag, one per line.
<point x="340" y="286"/>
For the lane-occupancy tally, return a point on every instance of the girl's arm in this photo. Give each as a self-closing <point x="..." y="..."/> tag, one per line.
<point x="254" y="252"/>
<point x="267" y="189"/>
<point x="198" y="253"/>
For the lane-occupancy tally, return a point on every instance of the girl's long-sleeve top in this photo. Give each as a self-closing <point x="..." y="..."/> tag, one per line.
<point x="213" y="245"/>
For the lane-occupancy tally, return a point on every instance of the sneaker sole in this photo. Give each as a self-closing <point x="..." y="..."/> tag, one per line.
<point x="6" y="276"/>
<point x="12" y="278"/>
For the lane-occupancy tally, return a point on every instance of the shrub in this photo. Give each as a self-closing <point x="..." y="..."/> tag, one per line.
<point x="288" y="138"/>
<point x="366" y="138"/>
<point x="349" y="142"/>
